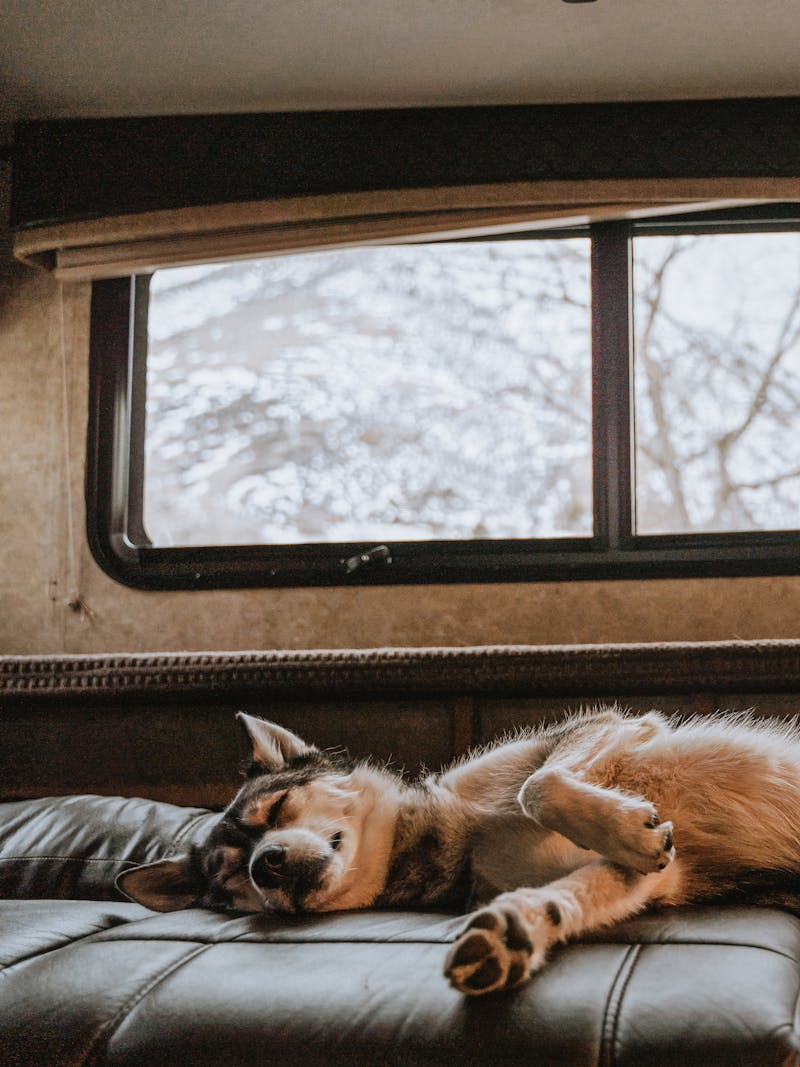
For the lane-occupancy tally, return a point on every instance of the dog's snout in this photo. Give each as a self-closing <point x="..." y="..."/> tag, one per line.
<point x="268" y="868"/>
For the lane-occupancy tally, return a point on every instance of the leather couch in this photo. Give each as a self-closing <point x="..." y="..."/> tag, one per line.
<point x="90" y="978"/>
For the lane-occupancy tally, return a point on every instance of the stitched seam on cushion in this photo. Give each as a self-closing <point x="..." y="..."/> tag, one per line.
<point x="190" y="825"/>
<point x="620" y="998"/>
<point x="241" y="939"/>
<point x="703" y="944"/>
<point x="607" y="1056"/>
<point x="66" y="859"/>
<point x="4" y="967"/>
<point x="83" y="859"/>
<point x="104" y="1034"/>
<point x="795" y="1010"/>
<point x="388" y="941"/>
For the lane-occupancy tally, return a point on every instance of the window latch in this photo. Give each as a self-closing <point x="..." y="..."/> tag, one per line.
<point x="378" y="554"/>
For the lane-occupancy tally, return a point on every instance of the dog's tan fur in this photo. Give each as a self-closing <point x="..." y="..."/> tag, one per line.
<point x="561" y="830"/>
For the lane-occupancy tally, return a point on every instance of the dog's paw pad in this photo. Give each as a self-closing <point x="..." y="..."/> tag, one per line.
<point x="494" y="952"/>
<point x="471" y="948"/>
<point x="485" y="978"/>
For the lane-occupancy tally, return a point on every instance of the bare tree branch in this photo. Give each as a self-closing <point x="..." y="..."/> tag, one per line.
<point x="668" y="461"/>
<point x="787" y="339"/>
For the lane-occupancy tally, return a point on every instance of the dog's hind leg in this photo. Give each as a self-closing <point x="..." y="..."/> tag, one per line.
<point x="622" y="827"/>
<point x="506" y="941"/>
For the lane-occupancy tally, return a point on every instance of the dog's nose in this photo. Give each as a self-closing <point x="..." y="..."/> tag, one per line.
<point x="267" y="869"/>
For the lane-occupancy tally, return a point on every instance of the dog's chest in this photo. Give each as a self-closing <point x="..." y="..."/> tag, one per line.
<point x="508" y="851"/>
<point x="430" y="868"/>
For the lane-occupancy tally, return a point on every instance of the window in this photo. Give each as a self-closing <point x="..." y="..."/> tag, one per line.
<point x="614" y="403"/>
<point x="412" y="392"/>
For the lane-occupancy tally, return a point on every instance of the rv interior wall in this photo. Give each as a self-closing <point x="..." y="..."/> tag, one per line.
<point x="55" y="599"/>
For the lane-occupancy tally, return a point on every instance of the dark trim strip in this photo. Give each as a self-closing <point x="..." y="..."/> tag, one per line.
<point x="442" y="562"/>
<point x="575" y="670"/>
<point x="108" y="441"/>
<point x="137" y="406"/>
<point x="612" y="385"/>
<point x="73" y="169"/>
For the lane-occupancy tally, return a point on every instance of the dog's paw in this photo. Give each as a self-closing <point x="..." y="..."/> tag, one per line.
<point x="497" y="950"/>
<point x="641" y="841"/>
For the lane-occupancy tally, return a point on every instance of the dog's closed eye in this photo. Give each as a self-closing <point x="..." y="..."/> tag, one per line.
<point x="336" y="840"/>
<point x="275" y="810"/>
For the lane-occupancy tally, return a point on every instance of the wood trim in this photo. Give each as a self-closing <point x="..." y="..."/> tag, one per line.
<point x="120" y="245"/>
<point x="144" y="257"/>
<point x="545" y="195"/>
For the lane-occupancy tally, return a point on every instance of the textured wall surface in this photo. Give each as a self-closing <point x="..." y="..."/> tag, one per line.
<point x="44" y="558"/>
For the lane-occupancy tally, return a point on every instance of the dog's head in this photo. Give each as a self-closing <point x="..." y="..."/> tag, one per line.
<point x="289" y="841"/>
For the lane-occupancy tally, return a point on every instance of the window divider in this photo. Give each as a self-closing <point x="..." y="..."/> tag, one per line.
<point x="612" y="386"/>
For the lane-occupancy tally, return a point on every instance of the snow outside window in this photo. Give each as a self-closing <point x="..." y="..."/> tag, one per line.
<point x="379" y="394"/>
<point x="717" y="382"/>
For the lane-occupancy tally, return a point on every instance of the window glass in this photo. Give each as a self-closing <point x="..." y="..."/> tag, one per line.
<point x="717" y="382"/>
<point x="415" y="392"/>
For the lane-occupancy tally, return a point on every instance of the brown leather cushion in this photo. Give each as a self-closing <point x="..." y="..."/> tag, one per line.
<point x="96" y="981"/>
<point x="108" y="983"/>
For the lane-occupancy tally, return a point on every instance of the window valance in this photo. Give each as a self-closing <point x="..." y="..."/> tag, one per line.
<point x="96" y="198"/>
<point x="140" y="243"/>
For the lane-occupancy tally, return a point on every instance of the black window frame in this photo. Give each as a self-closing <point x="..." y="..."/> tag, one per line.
<point x="115" y="466"/>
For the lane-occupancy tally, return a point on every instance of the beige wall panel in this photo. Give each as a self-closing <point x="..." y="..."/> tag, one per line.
<point x="127" y="620"/>
<point x="33" y="462"/>
<point x="44" y="557"/>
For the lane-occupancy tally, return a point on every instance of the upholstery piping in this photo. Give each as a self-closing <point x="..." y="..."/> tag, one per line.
<point x="607" y="1055"/>
<point x="104" y="1033"/>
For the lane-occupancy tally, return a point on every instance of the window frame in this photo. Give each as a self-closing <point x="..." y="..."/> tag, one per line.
<point x="115" y="466"/>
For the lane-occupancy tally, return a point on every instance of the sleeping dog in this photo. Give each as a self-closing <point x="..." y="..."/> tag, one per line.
<point x="552" y="834"/>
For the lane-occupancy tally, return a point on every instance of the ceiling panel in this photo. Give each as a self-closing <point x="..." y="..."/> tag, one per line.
<point x="202" y="56"/>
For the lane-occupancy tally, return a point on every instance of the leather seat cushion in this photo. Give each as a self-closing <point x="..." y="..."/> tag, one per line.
<point x="92" y="982"/>
<point x="99" y="981"/>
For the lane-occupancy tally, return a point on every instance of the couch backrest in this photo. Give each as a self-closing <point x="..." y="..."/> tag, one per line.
<point x="162" y="726"/>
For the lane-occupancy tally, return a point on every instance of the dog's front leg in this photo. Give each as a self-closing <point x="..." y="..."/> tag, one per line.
<point x="508" y="940"/>
<point x="617" y="825"/>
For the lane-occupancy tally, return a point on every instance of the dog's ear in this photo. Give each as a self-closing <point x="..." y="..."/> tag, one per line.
<point x="166" y="885"/>
<point x="273" y="746"/>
